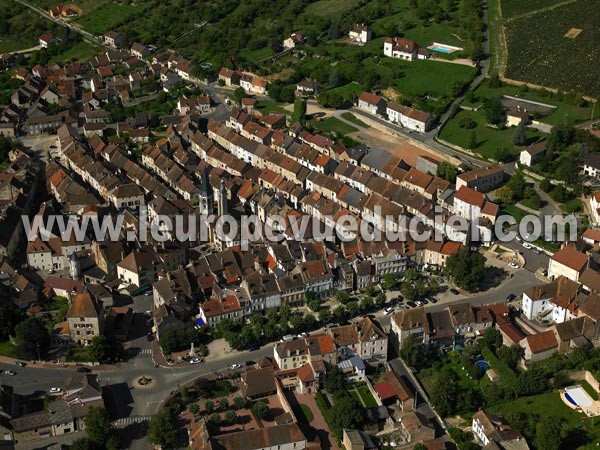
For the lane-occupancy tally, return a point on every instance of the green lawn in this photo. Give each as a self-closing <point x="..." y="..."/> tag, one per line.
<point x="367" y="397"/>
<point x="332" y="125"/>
<point x="420" y="78"/>
<point x="256" y="55"/>
<point x="266" y="107"/>
<point x="548" y="404"/>
<point x="330" y="8"/>
<point x="589" y="389"/>
<point x="14" y="45"/>
<point x="438" y="32"/>
<point x="107" y="17"/>
<point x="350" y="91"/>
<point x="489" y="140"/>
<point x="7" y="349"/>
<point x="514" y="211"/>
<point x="82" y="51"/>
<point x="307" y="413"/>
<point x="352" y="118"/>
<point x="527" y="202"/>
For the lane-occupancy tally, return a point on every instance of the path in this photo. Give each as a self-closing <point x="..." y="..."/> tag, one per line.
<point x="318" y="422"/>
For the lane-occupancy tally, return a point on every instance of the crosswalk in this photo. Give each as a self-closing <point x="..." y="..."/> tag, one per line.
<point x="143" y="352"/>
<point x="124" y="421"/>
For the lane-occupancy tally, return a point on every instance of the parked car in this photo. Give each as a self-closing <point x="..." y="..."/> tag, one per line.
<point x="536" y="250"/>
<point x="20" y="364"/>
<point x="433" y="300"/>
<point x="387" y="311"/>
<point x="527" y="245"/>
<point x="302" y="335"/>
<point x="83" y="369"/>
<point x="419" y="303"/>
<point x="253" y="348"/>
<point x="55" y="390"/>
<point x="11" y="373"/>
<point x="411" y="304"/>
<point x="510" y="297"/>
<point x="287" y="338"/>
<point x="513" y="265"/>
<point x="196" y="360"/>
<point x="454" y="291"/>
<point x="235" y="366"/>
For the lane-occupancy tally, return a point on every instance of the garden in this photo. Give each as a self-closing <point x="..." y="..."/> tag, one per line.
<point x="528" y="400"/>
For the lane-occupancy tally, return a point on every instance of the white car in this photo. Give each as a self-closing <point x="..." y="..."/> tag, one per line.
<point x="513" y="265"/>
<point x="11" y="373"/>
<point x="527" y="245"/>
<point x="196" y="360"/>
<point x="388" y="311"/>
<point x="419" y="303"/>
<point x="302" y="335"/>
<point x="236" y="366"/>
<point x="55" y="390"/>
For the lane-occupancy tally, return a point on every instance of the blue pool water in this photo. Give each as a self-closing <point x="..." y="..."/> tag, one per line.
<point x="483" y="365"/>
<point x="441" y="49"/>
<point x="570" y="399"/>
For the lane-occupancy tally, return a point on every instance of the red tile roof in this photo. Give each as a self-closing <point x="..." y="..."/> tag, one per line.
<point x="569" y="256"/>
<point x="542" y="341"/>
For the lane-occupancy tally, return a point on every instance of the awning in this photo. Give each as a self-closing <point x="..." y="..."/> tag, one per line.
<point x="200" y="322"/>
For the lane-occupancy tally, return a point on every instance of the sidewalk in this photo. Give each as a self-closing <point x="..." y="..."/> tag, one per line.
<point x="61" y="365"/>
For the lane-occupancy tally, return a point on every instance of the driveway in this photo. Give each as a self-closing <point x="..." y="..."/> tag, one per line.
<point x="318" y="422"/>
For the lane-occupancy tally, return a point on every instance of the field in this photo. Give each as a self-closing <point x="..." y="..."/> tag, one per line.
<point x="512" y="8"/>
<point x="107" y="17"/>
<point x="330" y="8"/>
<point x="7" y="349"/>
<point x="14" y="45"/>
<point x="81" y="51"/>
<point x="539" y="52"/>
<point x="307" y="413"/>
<point x="489" y="140"/>
<point x="85" y="5"/>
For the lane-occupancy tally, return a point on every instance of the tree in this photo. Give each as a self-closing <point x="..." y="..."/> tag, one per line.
<point x="238" y="95"/>
<point x="495" y="81"/>
<point x="209" y="406"/>
<point x="517" y="185"/>
<point x="299" y="111"/>
<point x="230" y="416"/>
<point x="194" y="408"/>
<point x="162" y="430"/>
<point x="494" y="110"/>
<point x="82" y="444"/>
<point x="32" y="339"/>
<point x="102" y="349"/>
<point x="412" y="353"/>
<point x="520" y="136"/>
<point x="447" y="171"/>
<point x="472" y="140"/>
<point x="347" y="412"/>
<point x="260" y="409"/>
<point x="549" y="433"/>
<point x="215" y="419"/>
<point x="342" y="297"/>
<point x="491" y="339"/>
<point x="334" y="379"/>
<point x="9" y="318"/>
<point x="389" y="280"/>
<point x="466" y="268"/>
<point x="239" y="402"/>
<point x="444" y="394"/>
<point x="99" y="429"/>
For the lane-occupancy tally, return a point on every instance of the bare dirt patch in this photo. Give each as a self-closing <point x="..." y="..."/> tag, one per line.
<point x="573" y="33"/>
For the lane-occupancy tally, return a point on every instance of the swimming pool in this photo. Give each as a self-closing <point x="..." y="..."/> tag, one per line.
<point x="483" y="365"/>
<point x="577" y="396"/>
<point x="437" y="48"/>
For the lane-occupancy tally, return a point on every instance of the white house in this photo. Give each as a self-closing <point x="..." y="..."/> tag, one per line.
<point x="372" y="103"/>
<point x="46" y="40"/>
<point x="411" y="118"/>
<point x="552" y="300"/>
<point x="294" y="40"/>
<point x="360" y="33"/>
<point x="468" y="203"/>
<point x="402" y="48"/>
<point x="128" y="195"/>
<point x="532" y="154"/>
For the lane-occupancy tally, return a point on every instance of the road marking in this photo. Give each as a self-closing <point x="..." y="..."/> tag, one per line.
<point x="124" y="421"/>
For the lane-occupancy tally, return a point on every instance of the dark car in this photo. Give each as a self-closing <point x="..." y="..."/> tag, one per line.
<point x="253" y="348"/>
<point x="399" y="299"/>
<point x="433" y="300"/>
<point x="20" y="364"/>
<point x="411" y="304"/>
<point x="510" y="297"/>
<point x="454" y="291"/>
<point x="83" y="370"/>
<point x="425" y="301"/>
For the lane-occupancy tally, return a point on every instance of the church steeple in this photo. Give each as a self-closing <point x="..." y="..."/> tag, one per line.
<point x="222" y="199"/>
<point x="206" y="202"/>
